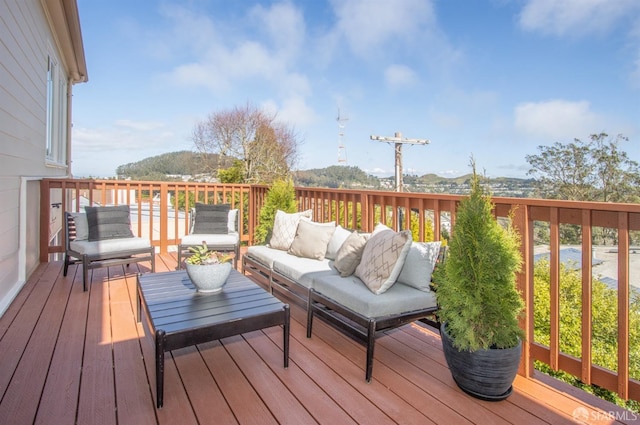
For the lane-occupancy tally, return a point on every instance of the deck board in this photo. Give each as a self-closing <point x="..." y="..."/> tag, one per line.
<point x="81" y="357"/>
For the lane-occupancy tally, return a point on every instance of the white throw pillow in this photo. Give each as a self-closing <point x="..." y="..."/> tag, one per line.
<point x="337" y="239"/>
<point x="383" y="258"/>
<point x="419" y="265"/>
<point x="231" y="221"/>
<point x="82" y="226"/>
<point x="285" y="227"/>
<point x="311" y="239"/>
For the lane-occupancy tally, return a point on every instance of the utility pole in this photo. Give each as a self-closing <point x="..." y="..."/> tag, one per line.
<point x="399" y="141"/>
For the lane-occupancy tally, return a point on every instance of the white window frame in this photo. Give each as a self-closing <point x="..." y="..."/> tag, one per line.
<point x="56" y="113"/>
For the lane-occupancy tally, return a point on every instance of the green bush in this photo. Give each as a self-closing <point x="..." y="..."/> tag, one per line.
<point x="281" y="196"/>
<point x="604" y="339"/>
<point x="477" y="290"/>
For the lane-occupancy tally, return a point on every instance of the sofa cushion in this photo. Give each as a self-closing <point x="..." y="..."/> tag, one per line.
<point x="108" y="222"/>
<point x="419" y="264"/>
<point x="211" y="219"/>
<point x="349" y="255"/>
<point x="311" y="239"/>
<point x="108" y="246"/>
<point x="337" y="239"/>
<point x="301" y="270"/>
<point x="210" y="239"/>
<point x="265" y="255"/>
<point x="354" y="295"/>
<point x="382" y="259"/>
<point x="82" y="226"/>
<point x="284" y="228"/>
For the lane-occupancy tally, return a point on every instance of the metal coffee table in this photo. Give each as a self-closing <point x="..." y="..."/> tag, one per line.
<point x="179" y="316"/>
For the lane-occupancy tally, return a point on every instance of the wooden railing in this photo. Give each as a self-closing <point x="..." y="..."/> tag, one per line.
<point x="155" y="213"/>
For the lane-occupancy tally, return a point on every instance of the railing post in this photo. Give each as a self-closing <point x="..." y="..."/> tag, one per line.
<point x="45" y="201"/>
<point x="623" y="305"/>
<point x="524" y="281"/>
<point x="164" y="217"/>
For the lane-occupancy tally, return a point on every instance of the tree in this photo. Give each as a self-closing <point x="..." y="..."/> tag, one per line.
<point x="268" y="149"/>
<point x="595" y="170"/>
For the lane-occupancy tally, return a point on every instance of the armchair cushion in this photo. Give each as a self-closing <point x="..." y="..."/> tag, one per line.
<point x="213" y="239"/>
<point x="211" y="219"/>
<point x="108" y="246"/>
<point x="108" y="222"/>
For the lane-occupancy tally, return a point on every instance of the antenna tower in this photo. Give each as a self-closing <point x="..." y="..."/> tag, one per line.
<point x="342" y="149"/>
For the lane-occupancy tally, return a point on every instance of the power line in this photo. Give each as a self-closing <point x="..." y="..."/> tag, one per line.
<point x="398" y="141"/>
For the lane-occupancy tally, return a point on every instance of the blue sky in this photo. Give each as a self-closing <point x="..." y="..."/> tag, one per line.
<point x="489" y="78"/>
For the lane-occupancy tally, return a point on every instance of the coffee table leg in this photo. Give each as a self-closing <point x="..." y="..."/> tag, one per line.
<point x="160" y="339"/>
<point x="285" y="330"/>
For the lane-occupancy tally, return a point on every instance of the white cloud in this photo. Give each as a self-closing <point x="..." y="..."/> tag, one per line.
<point x="368" y="24"/>
<point x="398" y="76"/>
<point x="575" y="17"/>
<point x="284" y="24"/>
<point x="557" y="119"/>
<point x="99" y="151"/>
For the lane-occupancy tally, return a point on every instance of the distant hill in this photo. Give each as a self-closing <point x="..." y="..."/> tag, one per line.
<point x="336" y="176"/>
<point x="187" y="165"/>
<point x="170" y="166"/>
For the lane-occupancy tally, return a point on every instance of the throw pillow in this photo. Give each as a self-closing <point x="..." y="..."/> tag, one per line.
<point x="311" y="239"/>
<point x="349" y="255"/>
<point x="211" y="219"/>
<point x="339" y="236"/>
<point x="383" y="258"/>
<point x="82" y="227"/>
<point x="232" y="220"/>
<point x="108" y="222"/>
<point x="419" y="265"/>
<point x="284" y="228"/>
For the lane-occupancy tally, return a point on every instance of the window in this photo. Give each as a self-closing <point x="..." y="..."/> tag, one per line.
<point x="56" y="149"/>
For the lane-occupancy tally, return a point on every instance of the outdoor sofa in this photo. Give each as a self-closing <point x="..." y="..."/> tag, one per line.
<point x="360" y="283"/>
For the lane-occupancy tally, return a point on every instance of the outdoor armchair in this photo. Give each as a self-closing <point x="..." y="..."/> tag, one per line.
<point x="216" y="225"/>
<point x="102" y="237"/>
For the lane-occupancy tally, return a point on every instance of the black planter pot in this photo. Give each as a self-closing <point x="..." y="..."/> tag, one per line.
<point x="484" y="374"/>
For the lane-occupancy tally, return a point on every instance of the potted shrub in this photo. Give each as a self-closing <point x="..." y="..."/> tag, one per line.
<point x="479" y="302"/>
<point x="208" y="269"/>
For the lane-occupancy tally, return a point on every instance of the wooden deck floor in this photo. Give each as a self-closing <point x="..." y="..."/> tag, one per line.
<point x="68" y="356"/>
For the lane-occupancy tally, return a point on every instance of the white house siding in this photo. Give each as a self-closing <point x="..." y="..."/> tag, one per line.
<point x="26" y="39"/>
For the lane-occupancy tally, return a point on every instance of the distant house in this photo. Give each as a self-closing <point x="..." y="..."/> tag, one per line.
<point x="41" y="58"/>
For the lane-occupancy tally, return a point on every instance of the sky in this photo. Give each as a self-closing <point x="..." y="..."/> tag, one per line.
<point x="488" y="79"/>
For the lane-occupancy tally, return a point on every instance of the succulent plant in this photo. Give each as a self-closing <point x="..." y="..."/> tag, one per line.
<point x="202" y="255"/>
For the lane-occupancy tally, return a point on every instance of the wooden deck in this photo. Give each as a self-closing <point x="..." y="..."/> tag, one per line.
<point x="68" y="356"/>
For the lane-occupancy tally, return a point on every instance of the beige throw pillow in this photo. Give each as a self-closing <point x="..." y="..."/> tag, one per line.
<point x="349" y="255"/>
<point x="383" y="258"/>
<point x="311" y="239"/>
<point x="284" y="228"/>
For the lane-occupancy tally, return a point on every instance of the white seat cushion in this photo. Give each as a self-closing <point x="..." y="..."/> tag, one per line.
<point x="211" y="239"/>
<point x="108" y="246"/>
<point x="265" y="255"/>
